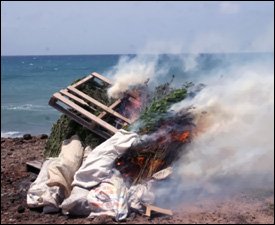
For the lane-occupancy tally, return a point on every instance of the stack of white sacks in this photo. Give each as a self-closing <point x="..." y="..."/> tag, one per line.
<point x="84" y="183"/>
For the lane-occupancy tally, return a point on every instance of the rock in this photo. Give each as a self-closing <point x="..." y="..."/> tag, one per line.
<point x="27" y="137"/>
<point x="21" y="209"/>
<point x="43" y="136"/>
<point x="3" y="140"/>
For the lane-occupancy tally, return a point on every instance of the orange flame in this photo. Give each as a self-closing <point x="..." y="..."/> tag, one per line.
<point x="182" y="136"/>
<point x="140" y="160"/>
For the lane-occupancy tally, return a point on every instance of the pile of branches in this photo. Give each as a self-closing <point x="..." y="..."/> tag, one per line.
<point x="154" y="114"/>
<point x="164" y="136"/>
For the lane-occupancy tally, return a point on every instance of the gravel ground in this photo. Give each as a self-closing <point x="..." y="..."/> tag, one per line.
<point x="252" y="207"/>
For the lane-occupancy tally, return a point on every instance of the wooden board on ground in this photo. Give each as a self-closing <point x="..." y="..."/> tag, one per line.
<point x="150" y="208"/>
<point x="34" y="166"/>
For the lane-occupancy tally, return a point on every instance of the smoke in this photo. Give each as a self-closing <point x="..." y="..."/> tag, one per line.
<point x="153" y="63"/>
<point x="132" y="71"/>
<point x="233" y="147"/>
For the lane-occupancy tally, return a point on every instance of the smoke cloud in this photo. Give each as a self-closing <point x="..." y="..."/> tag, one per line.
<point x="233" y="146"/>
<point x="132" y="71"/>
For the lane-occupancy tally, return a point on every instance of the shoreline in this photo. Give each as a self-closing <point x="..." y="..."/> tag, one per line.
<point x="17" y="134"/>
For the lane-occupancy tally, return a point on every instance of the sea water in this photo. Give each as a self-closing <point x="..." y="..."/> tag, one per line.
<point x="28" y="82"/>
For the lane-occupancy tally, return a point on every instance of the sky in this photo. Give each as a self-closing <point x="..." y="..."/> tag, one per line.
<point x="76" y="27"/>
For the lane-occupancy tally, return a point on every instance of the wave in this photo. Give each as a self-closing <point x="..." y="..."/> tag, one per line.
<point x="11" y="134"/>
<point x="25" y="107"/>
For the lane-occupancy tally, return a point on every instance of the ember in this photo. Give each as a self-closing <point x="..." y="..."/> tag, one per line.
<point x="182" y="137"/>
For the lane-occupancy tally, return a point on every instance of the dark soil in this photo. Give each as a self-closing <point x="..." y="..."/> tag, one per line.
<point x="256" y="207"/>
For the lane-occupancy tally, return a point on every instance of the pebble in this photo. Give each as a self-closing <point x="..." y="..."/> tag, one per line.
<point x="27" y="137"/>
<point x="43" y="136"/>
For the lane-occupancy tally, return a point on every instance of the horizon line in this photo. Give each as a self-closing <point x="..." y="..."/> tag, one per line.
<point x="246" y="52"/>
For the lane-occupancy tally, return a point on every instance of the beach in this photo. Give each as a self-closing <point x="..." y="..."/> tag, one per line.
<point x="253" y="206"/>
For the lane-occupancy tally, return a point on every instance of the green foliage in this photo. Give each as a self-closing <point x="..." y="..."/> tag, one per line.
<point x="157" y="110"/>
<point x="63" y="129"/>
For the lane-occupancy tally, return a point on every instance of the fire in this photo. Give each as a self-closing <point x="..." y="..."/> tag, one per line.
<point x="140" y="160"/>
<point x="182" y="137"/>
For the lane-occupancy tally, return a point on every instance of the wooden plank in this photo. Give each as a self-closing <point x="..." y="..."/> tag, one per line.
<point x="52" y="101"/>
<point x="116" y="103"/>
<point x="81" y="121"/>
<point x="79" y="100"/>
<point x="77" y="84"/>
<point x="99" y="76"/>
<point x="34" y="166"/>
<point x="84" y="112"/>
<point x="150" y="208"/>
<point x="102" y="114"/>
<point x="99" y="104"/>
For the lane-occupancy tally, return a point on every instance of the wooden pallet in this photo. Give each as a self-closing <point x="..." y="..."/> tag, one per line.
<point x="74" y="103"/>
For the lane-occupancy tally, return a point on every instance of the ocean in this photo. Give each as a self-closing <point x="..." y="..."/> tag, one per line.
<point x="28" y="82"/>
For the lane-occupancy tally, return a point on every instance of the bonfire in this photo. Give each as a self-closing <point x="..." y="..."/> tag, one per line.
<point x="155" y="138"/>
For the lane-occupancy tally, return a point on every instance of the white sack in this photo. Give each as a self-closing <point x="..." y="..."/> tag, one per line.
<point x="140" y="194"/>
<point x="110" y="198"/>
<point x="62" y="170"/>
<point x="40" y="195"/>
<point x="77" y="203"/>
<point x="100" y="161"/>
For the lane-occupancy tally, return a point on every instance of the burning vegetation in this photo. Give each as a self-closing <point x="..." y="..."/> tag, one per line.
<point x="163" y="134"/>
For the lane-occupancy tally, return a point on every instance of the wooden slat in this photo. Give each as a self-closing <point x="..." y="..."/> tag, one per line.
<point x="102" y="77"/>
<point x="116" y="103"/>
<point x="82" y="81"/>
<point x="99" y="104"/>
<point x="150" y="208"/>
<point x="81" y="121"/>
<point x="34" y="166"/>
<point x="79" y="100"/>
<point x="102" y="114"/>
<point x="84" y="112"/>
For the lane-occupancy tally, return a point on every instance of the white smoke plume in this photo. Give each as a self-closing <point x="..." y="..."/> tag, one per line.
<point x="233" y="148"/>
<point x="132" y="71"/>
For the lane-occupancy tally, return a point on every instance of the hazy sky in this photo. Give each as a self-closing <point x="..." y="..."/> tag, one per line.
<point x="39" y="28"/>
